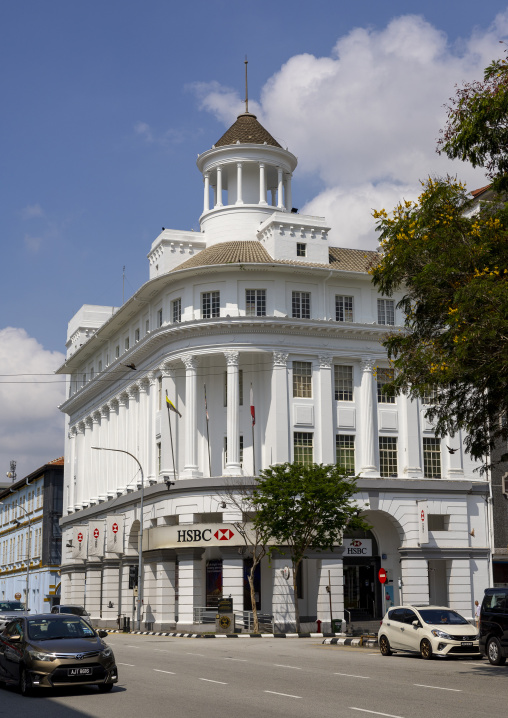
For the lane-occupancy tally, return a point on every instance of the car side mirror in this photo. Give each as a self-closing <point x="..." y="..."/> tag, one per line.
<point x="15" y="639"/>
<point x="416" y="624"/>
<point x="103" y="634"/>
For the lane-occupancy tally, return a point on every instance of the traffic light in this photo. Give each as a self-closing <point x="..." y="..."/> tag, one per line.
<point x="133" y="576"/>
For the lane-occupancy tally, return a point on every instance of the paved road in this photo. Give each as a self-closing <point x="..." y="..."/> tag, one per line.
<point x="261" y="678"/>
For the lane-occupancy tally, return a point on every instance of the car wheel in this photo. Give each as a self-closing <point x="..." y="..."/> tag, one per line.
<point x="494" y="653"/>
<point x="105" y="687"/>
<point x="426" y="649"/>
<point x="384" y="646"/>
<point x="25" y="683"/>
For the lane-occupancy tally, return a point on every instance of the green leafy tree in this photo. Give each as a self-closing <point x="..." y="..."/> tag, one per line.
<point x="477" y="126"/>
<point x="304" y="507"/>
<point x="452" y="266"/>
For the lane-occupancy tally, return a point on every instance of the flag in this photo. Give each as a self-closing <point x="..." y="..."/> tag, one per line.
<point x="171" y="406"/>
<point x="252" y="409"/>
<point x="206" y="405"/>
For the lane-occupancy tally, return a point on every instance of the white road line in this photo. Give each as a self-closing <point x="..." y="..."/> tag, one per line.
<point x="243" y="660"/>
<point x="162" y="650"/>
<point x="376" y="713"/>
<point x="439" y="688"/>
<point x="132" y="646"/>
<point x="350" y="675"/>
<point x="281" y="665"/>
<point x="195" y="654"/>
<point x="286" y="695"/>
<point x="208" y="680"/>
<point x="157" y="670"/>
<point x="126" y="664"/>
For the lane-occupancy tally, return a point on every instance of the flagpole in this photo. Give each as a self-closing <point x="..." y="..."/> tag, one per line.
<point x="253" y="416"/>
<point x="171" y="437"/>
<point x="208" y="434"/>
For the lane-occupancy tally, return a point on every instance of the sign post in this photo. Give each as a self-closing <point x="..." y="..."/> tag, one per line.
<point x="225" y="618"/>
<point x="382" y="580"/>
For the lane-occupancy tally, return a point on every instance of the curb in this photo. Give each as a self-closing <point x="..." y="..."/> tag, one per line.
<point x="334" y="637"/>
<point x="361" y="642"/>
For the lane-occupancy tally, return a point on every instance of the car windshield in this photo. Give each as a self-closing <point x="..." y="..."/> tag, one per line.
<point x="11" y="606"/>
<point x="77" y="610"/>
<point x="52" y="628"/>
<point x="442" y="616"/>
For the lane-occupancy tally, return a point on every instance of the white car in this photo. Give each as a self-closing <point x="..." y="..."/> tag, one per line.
<point x="429" y="631"/>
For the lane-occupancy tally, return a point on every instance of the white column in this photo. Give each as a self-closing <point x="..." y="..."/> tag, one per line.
<point x="144" y="386"/>
<point x="165" y="593"/>
<point x="410" y="461"/>
<point x="283" y="597"/>
<point x="239" y="193"/>
<point x="232" y="577"/>
<point x="95" y="459"/>
<point x="278" y="434"/>
<point x="114" y="474"/>
<point x="280" y="198"/>
<point x="71" y="498"/>
<point x="262" y="184"/>
<point x="123" y="401"/>
<point x="218" y="202"/>
<point x="206" y="202"/>
<point x="289" y="194"/>
<point x="86" y="458"/>
<point x="190" y="417"/>
<point x="168" y="384"/>
<point x="326" y="447"/>
<point x="368" y="421"/>
<point x="104" y="457"/>
<point x="134" y="430"/>
<point x="149" y="594"/>
<point x="415" y="581"/>
<point x="110" y="579"/>
<point x="93" y="589"/>
<point x="214" y="187"/>
<point x="458" y="573"/>
<point x="330" y="572"/>
<point x="190" y="585"/>
<point x="80" y="466"/>
<point x="77" y="587"/>
<point x="233" y="467"/>
<point x="150" y="424"/>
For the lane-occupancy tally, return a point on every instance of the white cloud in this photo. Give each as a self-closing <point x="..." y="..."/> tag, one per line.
<point x="366" y="119"/>
<point x="31" y="426"/>
<point x="165" y="139"/>
<point x="31" y="211"/>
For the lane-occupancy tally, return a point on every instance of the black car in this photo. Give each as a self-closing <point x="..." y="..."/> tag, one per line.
<point x="494" y="625"/>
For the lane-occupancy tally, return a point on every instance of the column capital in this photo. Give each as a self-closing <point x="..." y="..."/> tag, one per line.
<point x="232" y="357"/>
<point x="123" y="399"/>
<point x="167" y="370"/>
<point x="144" y="384"/>
<point x="113" y="404"/>
<point x="280" y="358"/>
<point x="96" y="417"/>
<point x="88" y="422"/>
<point x="105" y="409"/>
<point x="73" y="431"/>
<point x="132" y="391"/>
<point x="325" y="361"/>
<point x="367" y="364"/>
<point x="190" y="361"/>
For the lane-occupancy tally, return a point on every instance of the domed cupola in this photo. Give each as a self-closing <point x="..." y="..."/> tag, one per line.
<point x="247" y="177"/>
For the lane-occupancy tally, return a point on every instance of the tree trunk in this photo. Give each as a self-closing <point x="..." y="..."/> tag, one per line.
<point x="253" y="598"/>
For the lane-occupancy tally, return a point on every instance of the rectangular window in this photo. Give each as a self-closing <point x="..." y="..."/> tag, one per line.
<point x="210" y="305"/>
<point x="301" y="249"/>
<point x="343" y="382"/>
<point x="303" y="443"/>
<point x="226" y="450"/>
<point x="388" y="456"/>
<point x="117" y="351"/>
<point x="176" y="310"/>
<point x="240" y="387"/>
<point x="384" y="376"/>
<point x="99" y="366"/>
<point x="83" y="380"/>
<point x="302" y="379"/>
<point x="438" y="522"/>
<point x="345" y="452"/>
<point x="343" y="308"/>
<point x="430" y="395"/>
<point x="159" y="318"/>
<point x="255" y="302"/>
<point x="159" y="457"/>
<point x="385" y="311"/>
<point x="92" y="373"/>
<point x="147" y="326"/>
<point x="300" y="305"/>
<point x="126" y="343"/>
<point x="136" y="335"/>
<point x="432" y="458"/>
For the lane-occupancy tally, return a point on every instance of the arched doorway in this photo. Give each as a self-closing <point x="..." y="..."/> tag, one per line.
<point x="361" y="560"/>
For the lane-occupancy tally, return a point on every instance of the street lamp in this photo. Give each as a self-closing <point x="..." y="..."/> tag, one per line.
<point x="18" y="523"/>
<point x="140" y="537"/>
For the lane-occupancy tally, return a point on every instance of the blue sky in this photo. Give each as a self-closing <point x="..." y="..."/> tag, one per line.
<point x="107" y="104"/>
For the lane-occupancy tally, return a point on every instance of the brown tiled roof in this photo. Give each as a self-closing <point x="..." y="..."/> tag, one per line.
<point x="252" y="252"/>
<point x="246" y="130"/>
<point x="476" y="192"/>
<point x="57" y="462"/>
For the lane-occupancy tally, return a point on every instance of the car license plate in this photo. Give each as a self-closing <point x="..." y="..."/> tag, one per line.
<point x="466" y="643"/>
<point x="79" y="672"/>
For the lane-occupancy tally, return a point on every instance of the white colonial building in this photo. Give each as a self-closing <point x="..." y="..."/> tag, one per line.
<point x="256" y="309"/>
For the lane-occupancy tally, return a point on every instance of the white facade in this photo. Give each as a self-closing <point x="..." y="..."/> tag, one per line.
<point x="257" y="301"/>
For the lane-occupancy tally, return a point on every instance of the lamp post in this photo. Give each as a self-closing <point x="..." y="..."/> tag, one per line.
<point x="140" y="537"/>
<point x="18" y="523"/>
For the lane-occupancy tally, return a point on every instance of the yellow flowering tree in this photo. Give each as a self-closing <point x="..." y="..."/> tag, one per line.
<point x="449" y="255"/>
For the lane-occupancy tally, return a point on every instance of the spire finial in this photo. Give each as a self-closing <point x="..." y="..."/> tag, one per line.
<point x="246" y="86"/>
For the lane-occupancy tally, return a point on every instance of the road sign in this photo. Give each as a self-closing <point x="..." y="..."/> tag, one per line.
<point x="382" y="575"/>
<point x="17" y="596"/>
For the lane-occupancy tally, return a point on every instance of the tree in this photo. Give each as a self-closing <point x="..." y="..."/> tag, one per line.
<point x="304" y="507"/>
<point x="452" y="266"/>
<point x="477" y="126"/>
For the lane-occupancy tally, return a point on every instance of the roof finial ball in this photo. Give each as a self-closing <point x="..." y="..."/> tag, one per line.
<point x="246" y="87"/>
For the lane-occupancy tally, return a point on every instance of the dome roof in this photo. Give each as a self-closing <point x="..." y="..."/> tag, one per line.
<point x="247" y="130"/>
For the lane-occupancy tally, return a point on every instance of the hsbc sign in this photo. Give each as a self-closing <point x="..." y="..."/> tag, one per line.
<point x="193" y="535"/>
<point x="357" y="547"/>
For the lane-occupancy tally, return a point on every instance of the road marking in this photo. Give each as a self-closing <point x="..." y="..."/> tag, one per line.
<point x="195" y="654"/>
<point x="376" y="713"/>
<point x="157" y="670"/>
<point x="132" y="646"/>
<point x="439" y="688"/>
<point x="127" y="664"/>
<point x="281" y="665"/>
<point x="162" y="650"/>
<point x="350" y="675"/>
<point x="286" y="695"/>
<point x="208" y="680"/>
<point x="243" y="660"/>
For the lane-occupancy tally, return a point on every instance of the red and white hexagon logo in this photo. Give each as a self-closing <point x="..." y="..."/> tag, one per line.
<point x="96" y="533"/>
<point x="80" y="537"/>
<point x="114" y="528"/>
<point x="224" y="534"/>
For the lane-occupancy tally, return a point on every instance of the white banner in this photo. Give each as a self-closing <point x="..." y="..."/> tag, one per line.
<point x="357" y="547"/>
<point x="96" y="538"/>
<point x="114" y="533"/>
<point x="423" y="521"/>
<point x="190" y="535"/>
<point x="79" y="541"/>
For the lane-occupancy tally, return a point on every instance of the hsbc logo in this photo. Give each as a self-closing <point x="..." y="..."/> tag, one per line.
<point x="199" y="535"/>
<point x="96" y="533"/>
<point x="356" y="542"/>
<point x="224" y="534"/>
